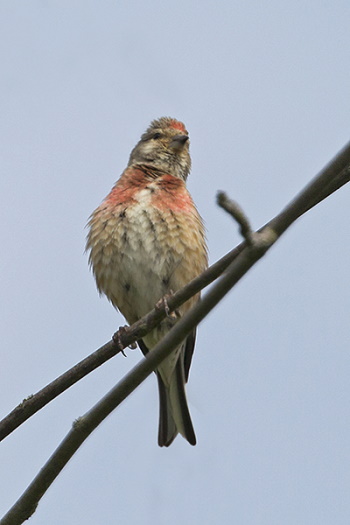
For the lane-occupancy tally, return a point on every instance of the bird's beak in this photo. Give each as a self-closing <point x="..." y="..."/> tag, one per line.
<point x="178" y="142"/>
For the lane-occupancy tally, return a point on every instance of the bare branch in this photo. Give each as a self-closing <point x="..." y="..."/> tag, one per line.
<point x="125" y="338"/>
<point x="331" y="178"/>
<point x="243" y="257"/>
<point x="85" y="425"/>
<point x="335" y="175"/>
<point x="234" y="209"/>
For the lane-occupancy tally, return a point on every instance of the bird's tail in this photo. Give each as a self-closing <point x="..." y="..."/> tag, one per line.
<point x="174" y="415"/>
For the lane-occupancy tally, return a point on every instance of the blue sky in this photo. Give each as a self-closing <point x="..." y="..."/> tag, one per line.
<point x="263" y="89"/>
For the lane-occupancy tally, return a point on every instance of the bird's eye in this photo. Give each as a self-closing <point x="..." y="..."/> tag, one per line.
<point x="156" y="136"/>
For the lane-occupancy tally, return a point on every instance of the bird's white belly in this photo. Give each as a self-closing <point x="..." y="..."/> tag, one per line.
<point x="139" y="262"/>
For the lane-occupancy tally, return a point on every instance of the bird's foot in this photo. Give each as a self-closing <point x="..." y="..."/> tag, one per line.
<point x="162" y="304"/>
<point x="117" y="339"/>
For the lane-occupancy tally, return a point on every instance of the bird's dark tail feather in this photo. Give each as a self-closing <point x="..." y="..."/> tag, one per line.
<point x="167" y="431"/>
<point x="174" y="415"/>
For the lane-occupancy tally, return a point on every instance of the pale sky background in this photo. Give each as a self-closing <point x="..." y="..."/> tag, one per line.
<point x="264" y="90"/>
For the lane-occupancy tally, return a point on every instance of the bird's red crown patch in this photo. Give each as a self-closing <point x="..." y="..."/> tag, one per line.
<point x="178" y="125"/>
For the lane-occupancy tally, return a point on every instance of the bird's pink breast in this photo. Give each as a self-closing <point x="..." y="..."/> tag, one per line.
<point x="165" y="192"/>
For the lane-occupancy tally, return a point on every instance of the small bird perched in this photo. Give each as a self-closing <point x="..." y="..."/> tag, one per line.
<point x="146" y="240"/>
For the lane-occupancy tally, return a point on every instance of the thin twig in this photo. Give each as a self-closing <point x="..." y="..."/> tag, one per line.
<point x="234" y="209"/>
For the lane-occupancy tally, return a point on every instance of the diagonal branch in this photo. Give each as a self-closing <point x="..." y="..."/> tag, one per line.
<point x="237" y="262"/>
<point x="84" y="426"/>
<point x="330" y="179"/>
<point x="126" y="336"/>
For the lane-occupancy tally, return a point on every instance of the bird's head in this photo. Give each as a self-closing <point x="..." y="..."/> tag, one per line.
<point x="164" y="145"/>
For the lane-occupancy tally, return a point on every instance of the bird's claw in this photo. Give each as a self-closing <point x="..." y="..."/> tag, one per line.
<point x="116" y="338"/>
<point x="162" y="304"/>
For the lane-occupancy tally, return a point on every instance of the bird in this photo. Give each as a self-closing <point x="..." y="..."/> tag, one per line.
<point x="146" y="241"/>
